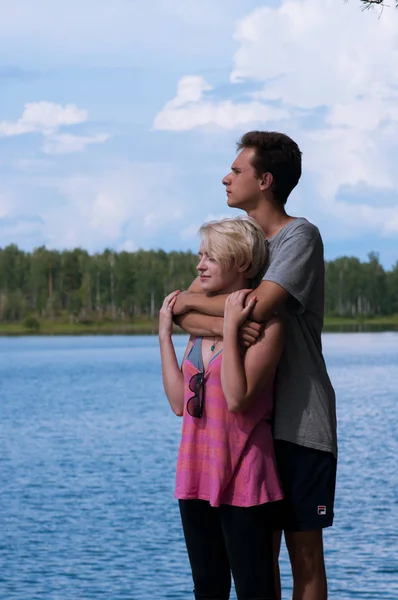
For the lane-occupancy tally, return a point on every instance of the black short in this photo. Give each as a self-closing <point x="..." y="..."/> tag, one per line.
<point x="308" y="479"/>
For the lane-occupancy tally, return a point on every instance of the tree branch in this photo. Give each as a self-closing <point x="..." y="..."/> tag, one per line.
<point x="370" y="3"/>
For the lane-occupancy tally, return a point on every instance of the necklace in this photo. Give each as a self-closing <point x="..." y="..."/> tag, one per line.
<point x="213" y="347"/>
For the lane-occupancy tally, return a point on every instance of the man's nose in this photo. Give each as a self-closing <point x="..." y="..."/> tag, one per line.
<point x="225" y="180"/>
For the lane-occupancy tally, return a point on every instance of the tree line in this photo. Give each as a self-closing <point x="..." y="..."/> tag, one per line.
<point x="119" y="286"/>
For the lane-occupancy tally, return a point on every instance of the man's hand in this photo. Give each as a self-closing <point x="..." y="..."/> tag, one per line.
<point x="249" y="333"/>
<point x="180" y="306"/>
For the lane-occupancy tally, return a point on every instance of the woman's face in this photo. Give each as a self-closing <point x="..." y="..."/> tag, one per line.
<point x="212" y="278"/>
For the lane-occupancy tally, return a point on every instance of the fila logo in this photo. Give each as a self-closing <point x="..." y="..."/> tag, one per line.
<point x="322" y="510"/>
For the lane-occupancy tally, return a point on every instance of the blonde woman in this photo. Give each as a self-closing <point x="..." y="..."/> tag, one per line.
<point x="226" y="483"/>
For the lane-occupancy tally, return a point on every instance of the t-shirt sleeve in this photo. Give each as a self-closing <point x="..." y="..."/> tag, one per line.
<point x="296" y="264"/>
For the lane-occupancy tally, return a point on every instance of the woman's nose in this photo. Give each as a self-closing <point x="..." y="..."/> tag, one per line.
<point x="200" y="266"/>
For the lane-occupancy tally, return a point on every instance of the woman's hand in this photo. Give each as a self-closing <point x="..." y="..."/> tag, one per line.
<point x="166" y="315"/>
<point x="236" y="313"/>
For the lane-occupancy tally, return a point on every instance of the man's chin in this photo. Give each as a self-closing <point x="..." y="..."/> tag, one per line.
<point x="231" y="203"/>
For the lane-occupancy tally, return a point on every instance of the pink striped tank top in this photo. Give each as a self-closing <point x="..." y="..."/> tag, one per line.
<point x="226" y="458"/>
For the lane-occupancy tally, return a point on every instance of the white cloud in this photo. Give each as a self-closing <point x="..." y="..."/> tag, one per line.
<point x="310" y="65"/>
<point x="190" y="233"/>
<point x="123" y="208"/>
<point x="352" y="77"/>
<point x="189" y="89"/>
<point x="323" y="63"/>
<point x="322" y="71"/>
<point x="66" y="143"/>
<point x="161" y="217"/>
<point x="127" y="246"/>
<point x="46" y="118"/>
<point x="43" y="117"/>
<point x="190" y="109"/>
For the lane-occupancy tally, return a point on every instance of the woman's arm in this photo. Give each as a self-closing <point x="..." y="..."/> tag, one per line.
<point x="244" y="375"/>
<point x="173" y="379"/>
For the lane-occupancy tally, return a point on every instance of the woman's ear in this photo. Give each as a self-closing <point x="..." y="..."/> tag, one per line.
<point x="244" y="269"/>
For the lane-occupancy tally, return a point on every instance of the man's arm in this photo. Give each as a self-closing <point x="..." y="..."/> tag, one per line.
<point x="292" y="272"/>
<point x="194" y="322"/>
<point x="199" y="325"/>
<point x="202" y="316"/>
<point x="195" y="300"/>
<point x="270" y="297"/>
<point x="201" y="303"/>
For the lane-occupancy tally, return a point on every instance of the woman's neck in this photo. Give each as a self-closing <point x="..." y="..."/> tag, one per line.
<point x="241" y="283"/>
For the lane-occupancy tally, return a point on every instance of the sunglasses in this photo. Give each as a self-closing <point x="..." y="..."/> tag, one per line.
<point x="195" y="403"/>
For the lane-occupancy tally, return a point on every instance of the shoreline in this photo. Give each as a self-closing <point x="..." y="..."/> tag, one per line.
<point x="148" y="327"/>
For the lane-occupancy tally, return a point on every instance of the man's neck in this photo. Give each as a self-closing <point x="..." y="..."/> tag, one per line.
<point x="270" y="218"/>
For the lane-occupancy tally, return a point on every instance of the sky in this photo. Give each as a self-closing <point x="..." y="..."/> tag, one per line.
<point x="119" y="119"/>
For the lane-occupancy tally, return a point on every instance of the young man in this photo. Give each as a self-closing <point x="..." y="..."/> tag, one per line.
<point x="262" y="177"/>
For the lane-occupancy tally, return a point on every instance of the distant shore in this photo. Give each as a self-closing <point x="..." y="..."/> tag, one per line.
<point x="150" y="327"/>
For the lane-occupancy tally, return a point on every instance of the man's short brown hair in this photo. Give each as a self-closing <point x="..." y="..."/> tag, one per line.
<point x="278" y="154"/>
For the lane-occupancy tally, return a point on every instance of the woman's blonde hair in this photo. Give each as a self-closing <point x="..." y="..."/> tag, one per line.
<point x="237" y="243"/>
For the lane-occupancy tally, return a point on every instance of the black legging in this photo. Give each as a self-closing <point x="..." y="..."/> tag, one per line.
<point x="225" y="539"/>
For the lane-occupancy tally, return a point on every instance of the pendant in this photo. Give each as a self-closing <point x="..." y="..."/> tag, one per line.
<point x="213" y="348"/>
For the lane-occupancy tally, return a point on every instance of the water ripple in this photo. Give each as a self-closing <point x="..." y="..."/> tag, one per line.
<point x="88" y="448"/>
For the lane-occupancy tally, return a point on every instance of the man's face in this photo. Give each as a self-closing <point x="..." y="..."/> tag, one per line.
<point x="242" y="185"/>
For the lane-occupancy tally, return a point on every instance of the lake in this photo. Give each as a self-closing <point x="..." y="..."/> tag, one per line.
<point x="88" y="448"/>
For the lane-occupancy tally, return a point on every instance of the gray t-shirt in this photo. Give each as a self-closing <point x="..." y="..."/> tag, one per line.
<point x="305" y="405"/>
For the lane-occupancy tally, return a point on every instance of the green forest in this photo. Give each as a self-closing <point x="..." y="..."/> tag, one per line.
<point x="72" y="291"/>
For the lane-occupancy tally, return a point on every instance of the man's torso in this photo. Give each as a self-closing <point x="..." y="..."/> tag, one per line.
<point x="305" y="411"/>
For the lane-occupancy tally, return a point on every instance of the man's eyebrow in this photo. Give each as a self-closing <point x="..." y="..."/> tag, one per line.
<point x="235" y="169"/>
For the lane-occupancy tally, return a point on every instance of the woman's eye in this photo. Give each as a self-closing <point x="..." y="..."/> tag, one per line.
<point x="212" y="260"/>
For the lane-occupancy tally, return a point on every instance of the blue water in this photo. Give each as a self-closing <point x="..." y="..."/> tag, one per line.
<point x="87" y="453"/>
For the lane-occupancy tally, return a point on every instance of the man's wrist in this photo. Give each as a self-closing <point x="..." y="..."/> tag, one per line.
<point x="184" y="303"/>
<point x="190" y="300"/>
<point x="218" y="329"/>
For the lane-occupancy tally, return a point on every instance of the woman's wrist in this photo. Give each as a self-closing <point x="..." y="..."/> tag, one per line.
<point x="165" y="336"/>
<point x="230" y="329"/>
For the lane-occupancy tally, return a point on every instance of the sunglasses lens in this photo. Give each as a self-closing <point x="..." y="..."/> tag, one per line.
<point x="194" y="408"/>
<point x="195" y="382"/>
<point x="195" y="404"/>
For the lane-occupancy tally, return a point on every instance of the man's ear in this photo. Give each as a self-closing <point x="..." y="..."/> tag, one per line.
<point x="266" y="181"/>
